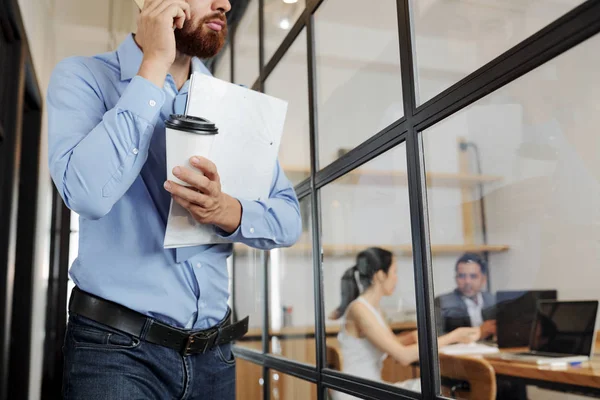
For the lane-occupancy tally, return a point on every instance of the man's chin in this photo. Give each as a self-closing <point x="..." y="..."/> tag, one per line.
<point x="204" y="43"/>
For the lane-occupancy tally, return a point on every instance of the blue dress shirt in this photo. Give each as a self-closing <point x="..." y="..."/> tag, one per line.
<point x="107" y="159"/>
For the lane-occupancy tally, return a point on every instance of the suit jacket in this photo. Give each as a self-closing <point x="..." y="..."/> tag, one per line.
<point x="452" y="313"/>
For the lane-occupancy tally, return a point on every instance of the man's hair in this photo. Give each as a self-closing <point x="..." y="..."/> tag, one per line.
<point x="474" y="258"/>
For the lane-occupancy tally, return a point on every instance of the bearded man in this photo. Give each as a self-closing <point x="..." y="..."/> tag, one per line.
<point x="147" y="322"/>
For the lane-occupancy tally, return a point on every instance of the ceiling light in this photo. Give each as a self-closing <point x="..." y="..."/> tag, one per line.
<point x="284" y="24"/>
<point x="290" y="1"/>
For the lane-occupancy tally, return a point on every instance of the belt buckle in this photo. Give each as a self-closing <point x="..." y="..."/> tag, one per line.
<point x="209" y="336"/>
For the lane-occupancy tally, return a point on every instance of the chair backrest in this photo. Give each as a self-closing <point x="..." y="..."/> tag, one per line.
<point x="334" y="357"/>
<point x="476" y="371"/>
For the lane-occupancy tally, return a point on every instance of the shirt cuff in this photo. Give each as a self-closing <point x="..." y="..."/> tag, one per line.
<point x="252" y="212"/>
<point x="142" y="98"/>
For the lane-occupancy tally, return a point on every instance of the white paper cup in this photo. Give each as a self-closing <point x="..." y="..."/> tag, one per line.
<point x="187" y="137"/>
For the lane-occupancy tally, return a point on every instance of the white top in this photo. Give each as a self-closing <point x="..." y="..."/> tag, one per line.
<point x="474" y="308"/>
<point x="361" y="358"/>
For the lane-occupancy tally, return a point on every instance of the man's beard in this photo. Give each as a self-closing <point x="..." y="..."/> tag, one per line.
<point x="199" y="40"/>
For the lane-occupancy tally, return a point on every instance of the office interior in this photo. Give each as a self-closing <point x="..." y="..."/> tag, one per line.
<point x="431" y="128"/>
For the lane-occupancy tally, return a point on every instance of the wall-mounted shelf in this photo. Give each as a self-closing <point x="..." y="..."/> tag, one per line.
<point x="341" y="250"/>
<point x="375" y="177"/>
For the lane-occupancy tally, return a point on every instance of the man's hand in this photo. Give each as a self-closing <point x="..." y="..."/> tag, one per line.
<point x="203" y="198"/>
<point x="155" y="36"/>
<point x="488" y="328"/>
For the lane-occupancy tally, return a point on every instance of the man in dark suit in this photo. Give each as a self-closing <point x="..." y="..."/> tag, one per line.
<point x="468" y="304"/>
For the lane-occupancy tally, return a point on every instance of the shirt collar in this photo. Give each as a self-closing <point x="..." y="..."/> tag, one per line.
<point x="479" y="299"/>
<point x="130" y="59"/>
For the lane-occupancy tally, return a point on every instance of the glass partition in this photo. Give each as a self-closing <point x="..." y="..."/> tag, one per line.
<point x="223" y="67"/>
<point x="291" y="296"/>
<point x="368" y="278"/>
<point x="286" y="387"/>
<point x="246" y="66"/>
<point x="249" y="381"/>
<point x="289" y="81"/>
<point x="359" y="88"/>
<point x="454" y="38"/>
<point x="280" y="16"/>
<point x="248" y="293"/>
<point x="520" y="206"/>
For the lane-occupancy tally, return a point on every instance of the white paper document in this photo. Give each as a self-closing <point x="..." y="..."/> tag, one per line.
<point x="461" y="349"/>
<point x="245" y="150"/>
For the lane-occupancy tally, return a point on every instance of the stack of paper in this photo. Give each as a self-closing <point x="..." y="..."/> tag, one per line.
<point x="468" y="349"/>
<point x="245" y="150"/>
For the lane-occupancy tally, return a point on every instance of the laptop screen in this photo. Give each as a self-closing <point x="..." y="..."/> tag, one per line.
<point x="564" y="327"/>
<point x="515" y="314"/>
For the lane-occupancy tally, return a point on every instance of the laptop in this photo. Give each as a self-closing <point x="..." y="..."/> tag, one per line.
<point x="562" y="332"/>
<point x="515" y="312"/>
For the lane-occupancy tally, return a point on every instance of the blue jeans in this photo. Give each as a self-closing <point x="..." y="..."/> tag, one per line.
<point x="102" y="363"/>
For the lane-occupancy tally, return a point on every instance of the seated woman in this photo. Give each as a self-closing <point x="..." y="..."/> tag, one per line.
<point x="365" y="339"/>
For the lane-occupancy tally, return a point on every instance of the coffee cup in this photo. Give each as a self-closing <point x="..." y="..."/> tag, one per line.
<point x="187" y="136"/>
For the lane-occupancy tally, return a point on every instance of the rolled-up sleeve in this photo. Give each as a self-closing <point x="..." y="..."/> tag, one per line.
<point x="95" y="153"/>
<point x="274" y="222"/>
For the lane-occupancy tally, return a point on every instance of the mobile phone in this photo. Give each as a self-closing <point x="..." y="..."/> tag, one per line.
<point x="140" y="3"/>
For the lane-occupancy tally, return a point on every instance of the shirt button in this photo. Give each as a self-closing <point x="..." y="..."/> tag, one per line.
<point x="198" y="265"/>
<point x="135" y="151"/>
<point x="152" y="103"/>
<point x="251" y="230"/>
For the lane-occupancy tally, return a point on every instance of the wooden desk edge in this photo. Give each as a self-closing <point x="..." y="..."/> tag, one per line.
<point x="298" y="332"/>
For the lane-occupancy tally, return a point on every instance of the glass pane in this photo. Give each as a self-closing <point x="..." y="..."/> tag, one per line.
<point x="513" y="200"/>
<point x="286" y="387"/>
<point x="368" y="271"/>
<point x="291" y="296"/>
<point x="454" y="38"/>
<point x="249" y="382"/>
<point x="248" y="293"/>
<point x="246" y="62"/>
<point x="359" y="88"/>
<point x="223" y="67"/>
<point x="289" y="81"/>
<point x="280" y="16"/>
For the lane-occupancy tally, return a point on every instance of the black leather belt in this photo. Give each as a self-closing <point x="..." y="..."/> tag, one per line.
<point x="131" y="322"/>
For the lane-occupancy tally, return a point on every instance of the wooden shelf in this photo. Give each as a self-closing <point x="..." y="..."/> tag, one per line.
<point x="374" y="177"/>
<point x="341" y="250"/>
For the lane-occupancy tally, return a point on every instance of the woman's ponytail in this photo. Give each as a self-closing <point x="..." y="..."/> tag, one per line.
<point x="350" y="290"/>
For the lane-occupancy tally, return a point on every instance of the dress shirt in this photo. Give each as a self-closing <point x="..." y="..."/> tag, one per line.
<point x="475" y="308"/>
<point x="107" y="159"/>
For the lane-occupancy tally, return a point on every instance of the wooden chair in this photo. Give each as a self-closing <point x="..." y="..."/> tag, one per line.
<point x="334" y="357"/>
<point x="334" y="361"/>
<point x="467" y="378"/>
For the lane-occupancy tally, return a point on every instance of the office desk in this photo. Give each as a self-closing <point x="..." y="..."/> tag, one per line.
<point x="583" y="379"/>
